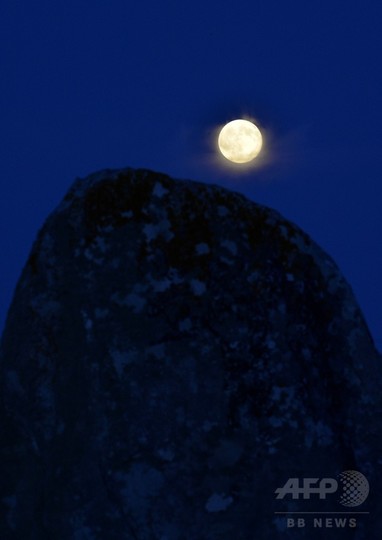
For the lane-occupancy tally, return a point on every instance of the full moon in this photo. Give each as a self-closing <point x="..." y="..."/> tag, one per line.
<point x="240" y="141"/>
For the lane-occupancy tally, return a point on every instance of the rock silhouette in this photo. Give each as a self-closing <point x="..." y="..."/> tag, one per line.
<point x="173" y="354"/>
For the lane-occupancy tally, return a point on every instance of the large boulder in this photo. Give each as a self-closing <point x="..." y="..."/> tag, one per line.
<point x="174" y="353"/>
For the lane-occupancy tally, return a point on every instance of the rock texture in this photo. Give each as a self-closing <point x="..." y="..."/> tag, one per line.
<point x="173" y="354"/>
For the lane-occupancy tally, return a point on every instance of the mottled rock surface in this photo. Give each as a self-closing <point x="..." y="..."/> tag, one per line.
<point x="173" y="354"/>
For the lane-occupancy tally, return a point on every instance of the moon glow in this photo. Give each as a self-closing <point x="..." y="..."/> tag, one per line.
<point x="240" y="141"/>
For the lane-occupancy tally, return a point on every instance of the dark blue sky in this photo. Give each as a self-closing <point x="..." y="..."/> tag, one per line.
<point x="91" y="85"/>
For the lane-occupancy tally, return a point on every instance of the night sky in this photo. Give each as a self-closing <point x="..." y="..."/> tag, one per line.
<point x="89" y="85"/>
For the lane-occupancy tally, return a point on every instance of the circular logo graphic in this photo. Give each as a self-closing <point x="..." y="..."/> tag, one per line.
<point x="355" y="488"/>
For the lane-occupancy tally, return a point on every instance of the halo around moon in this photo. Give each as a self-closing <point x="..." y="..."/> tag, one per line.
<point x="240" y="141"/>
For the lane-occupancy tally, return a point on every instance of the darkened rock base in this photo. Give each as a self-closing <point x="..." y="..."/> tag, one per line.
<point x="173" y="354"/>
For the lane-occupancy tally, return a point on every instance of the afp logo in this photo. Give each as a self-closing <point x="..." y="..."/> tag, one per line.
<point x="352" y="486"/>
